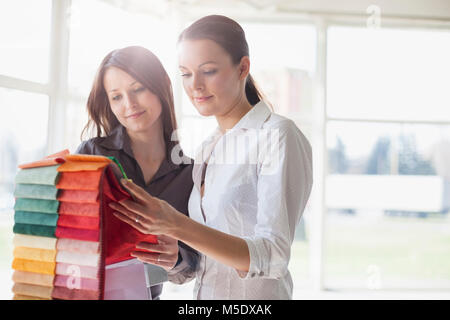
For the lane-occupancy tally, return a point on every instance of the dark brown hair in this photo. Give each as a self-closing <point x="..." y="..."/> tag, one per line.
<point x="231" y="37"/>
<point x="146" y="68"/>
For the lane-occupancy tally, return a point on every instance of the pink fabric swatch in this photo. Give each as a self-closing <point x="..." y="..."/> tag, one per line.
<point x="78" y="246"/>
<point x="79" y="196"/>
<point x="81" y="259"/>
<point x="67" y="269"/>
<point x="79" y="209"/>
<point x="72" y="282"/>
<point x="74" y="294"/>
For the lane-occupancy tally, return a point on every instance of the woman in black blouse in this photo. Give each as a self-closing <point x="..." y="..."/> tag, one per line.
<point x="131" y="109"/>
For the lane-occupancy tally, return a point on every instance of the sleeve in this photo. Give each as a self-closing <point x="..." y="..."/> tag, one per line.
<point x="283" y="188"/>
<point x="86" y="147"/>
<point x="187" y="265"/>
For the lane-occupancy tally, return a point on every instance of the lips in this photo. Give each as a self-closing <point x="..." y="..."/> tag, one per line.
<point x="135" y="115"/>
<point x="202" y="99"/>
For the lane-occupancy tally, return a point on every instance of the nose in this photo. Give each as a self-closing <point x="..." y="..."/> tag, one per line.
<point x="197" y="83"/>
<point x="129" y="101"/>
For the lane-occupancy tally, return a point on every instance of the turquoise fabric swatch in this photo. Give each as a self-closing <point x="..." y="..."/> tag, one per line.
<point x="36" y="205"/>
<point x="41" y="175"/>
<point x="36" y="218"/>
<point x="35" y="230"/>
<point x="35" y="191"/>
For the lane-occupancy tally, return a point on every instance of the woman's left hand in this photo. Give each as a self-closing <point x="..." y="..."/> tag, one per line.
<point x="163" y="254"/>
<point x="147" y="214"/>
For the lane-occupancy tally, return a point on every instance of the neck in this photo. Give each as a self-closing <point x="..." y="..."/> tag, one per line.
<point x="231" y="117"/>
<point x="149" y="144"/>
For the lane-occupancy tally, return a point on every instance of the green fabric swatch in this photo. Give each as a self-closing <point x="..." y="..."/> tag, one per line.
<point x="35" y="191"/>
<point x="36" y="218"/>
<point x="34" y="230"/>
<point x="36" y="205"/>
<point x="41" y="175"/>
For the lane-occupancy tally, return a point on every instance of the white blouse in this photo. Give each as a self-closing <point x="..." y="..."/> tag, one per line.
<point x="257" y="181"/>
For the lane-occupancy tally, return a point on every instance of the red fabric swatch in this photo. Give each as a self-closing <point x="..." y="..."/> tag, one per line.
<point x="79" y="222"/>
<point x="79" y="209"/>
<point x="81" y="180"/>
<point x="78" y="196"/>
<point x="121" y="238"/>
<point x="74" y="294"/>
<point x="77" y="234"/>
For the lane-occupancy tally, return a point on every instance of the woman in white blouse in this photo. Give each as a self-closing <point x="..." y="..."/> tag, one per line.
<point x="252" y="176"/>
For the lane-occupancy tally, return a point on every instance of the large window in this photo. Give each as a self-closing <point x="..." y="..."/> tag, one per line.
<point x="387" y="189"/>
<point x="24" y="66"/>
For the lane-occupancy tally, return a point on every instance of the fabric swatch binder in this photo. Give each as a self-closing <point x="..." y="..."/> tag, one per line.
<point x="64" y="232"/>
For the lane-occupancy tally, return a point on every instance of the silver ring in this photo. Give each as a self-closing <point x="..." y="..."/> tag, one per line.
<point x="158" y="258"/>
<point x="137" y="219"/>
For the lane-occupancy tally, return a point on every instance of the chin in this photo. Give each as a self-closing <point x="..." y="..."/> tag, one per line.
<point x="205" y="111"/>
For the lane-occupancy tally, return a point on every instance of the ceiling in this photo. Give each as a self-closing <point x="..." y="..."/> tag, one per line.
<point x="436" y="10"/>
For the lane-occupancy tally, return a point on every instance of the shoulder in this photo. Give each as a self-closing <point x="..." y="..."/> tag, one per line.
<point x="282" y="124"/>
<point x="287" y="130"/>
<point x="91" y="146"/>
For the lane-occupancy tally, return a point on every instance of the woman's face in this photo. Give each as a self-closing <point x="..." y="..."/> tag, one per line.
<point x="211" y="80"/>
<point x="136" y="107"/>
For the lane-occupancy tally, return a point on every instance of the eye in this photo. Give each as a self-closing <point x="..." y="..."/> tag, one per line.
<point x="210" y="72"/>
<point x="185" y="74"/>
<point x="116" y="97"/>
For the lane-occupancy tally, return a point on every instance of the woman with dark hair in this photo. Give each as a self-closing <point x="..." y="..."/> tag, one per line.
<point x="131" y="110"/>
<point x="252" y="176"/>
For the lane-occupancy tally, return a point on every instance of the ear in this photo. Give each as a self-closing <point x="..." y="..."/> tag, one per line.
<point x="244" y="67"/>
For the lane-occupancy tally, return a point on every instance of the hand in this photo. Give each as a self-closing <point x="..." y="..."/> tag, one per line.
<point x="147" y="214"/>
<point x="163" y="254"/>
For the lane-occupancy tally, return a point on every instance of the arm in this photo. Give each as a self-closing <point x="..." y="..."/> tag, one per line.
<point x="158" y="217"/>
<point x="283" y="191"/>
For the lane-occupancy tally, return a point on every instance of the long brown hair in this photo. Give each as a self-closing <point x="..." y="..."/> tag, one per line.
<point x="146" y="68"/>
<point x="231" y="37"/>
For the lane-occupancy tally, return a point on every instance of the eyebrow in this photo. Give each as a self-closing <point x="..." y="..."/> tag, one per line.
<point x="199" y="64"/>
<point x="129" y="85"/>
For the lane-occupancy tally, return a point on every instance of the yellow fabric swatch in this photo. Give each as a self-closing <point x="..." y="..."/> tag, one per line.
<point x="34" y="266"/>
<point x="22" y="297"/>
<point x="35" y="254"/>
<point x="29" y="241"/>
<point x="32" y="290"/>
<point x="40" y="279"/>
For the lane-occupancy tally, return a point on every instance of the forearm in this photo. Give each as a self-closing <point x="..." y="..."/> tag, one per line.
<point x="227" y="249"/>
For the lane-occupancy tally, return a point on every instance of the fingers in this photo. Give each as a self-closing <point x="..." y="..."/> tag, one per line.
<point x="139" y="193"/>
<point x="129" y="213"/>
<point x="129" y="205"/>
<point x="158" y="248"/>
<point x="165" y="261"/>
<point x="131" y="222"/>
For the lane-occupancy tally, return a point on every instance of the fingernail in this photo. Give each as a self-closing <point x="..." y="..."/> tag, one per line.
<point x="123" y="181"/>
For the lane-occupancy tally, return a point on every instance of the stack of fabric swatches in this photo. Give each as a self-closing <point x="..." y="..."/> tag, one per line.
<point x="64" y="231"/>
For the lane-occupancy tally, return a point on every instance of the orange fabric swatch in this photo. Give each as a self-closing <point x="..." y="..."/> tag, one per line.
<point x="74" y="166"/>
<point x="32" y="290"/>
<point x="87" y="158"/>
<point x="79" y="196"/>
<point x="34" y="266"/>
<point x="88" y="180"/>
<point x="35" y="254"/>
<point x="79" y="209"/>
<point x="40" y="279"/>
<point x="89" y="223"/>
<point x="47" y="161"/>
